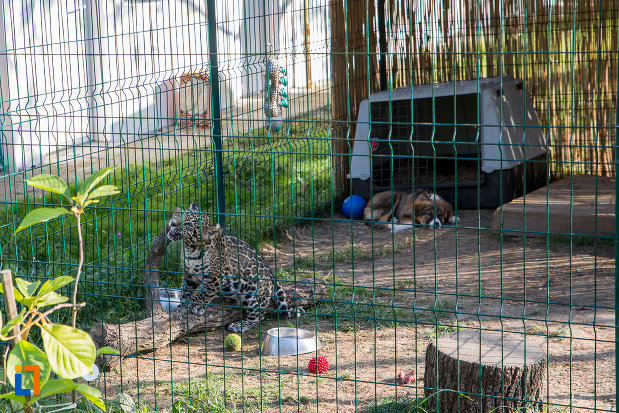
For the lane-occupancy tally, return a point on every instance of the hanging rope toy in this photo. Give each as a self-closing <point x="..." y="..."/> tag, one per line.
<point x="275" y="96"/>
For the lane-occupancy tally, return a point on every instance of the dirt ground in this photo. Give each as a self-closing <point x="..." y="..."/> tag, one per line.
<point x="561" y="296"/>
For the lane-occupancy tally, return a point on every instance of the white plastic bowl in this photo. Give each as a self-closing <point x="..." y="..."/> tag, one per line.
<point x="286" y="341"/>
<point x="170" y="298"/>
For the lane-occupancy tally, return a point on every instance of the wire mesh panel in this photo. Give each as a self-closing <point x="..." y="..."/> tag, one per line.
<point x="388" y="206"/>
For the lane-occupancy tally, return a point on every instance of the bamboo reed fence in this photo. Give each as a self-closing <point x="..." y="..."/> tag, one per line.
<point x="562" y="50"/>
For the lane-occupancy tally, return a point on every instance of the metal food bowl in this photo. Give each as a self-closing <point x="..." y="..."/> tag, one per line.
<point x="170" y="298"/>
<point x="286" y="341"/>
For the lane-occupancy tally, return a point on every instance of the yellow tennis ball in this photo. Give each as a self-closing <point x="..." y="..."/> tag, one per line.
<point x="233" y="342"/>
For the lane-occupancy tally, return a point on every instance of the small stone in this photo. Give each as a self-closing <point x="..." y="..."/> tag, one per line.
<point x="407" y="378"/>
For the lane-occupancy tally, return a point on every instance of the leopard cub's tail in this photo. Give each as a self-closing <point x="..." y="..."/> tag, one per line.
<point x="283" y="304"/>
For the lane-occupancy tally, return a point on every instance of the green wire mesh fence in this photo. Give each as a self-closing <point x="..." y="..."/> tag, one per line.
<point x="479" y="135"/>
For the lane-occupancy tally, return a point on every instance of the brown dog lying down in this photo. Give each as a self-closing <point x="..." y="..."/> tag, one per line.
<point x="393" y="210"/>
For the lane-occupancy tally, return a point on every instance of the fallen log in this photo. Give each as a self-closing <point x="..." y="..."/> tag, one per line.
<point x="160" y="328"/>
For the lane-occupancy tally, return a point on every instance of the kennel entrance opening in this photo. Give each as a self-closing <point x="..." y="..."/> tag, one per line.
<point x="429" y="143"/>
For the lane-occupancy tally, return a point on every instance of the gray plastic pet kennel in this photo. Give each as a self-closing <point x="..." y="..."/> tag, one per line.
<point x="479" y="139"/>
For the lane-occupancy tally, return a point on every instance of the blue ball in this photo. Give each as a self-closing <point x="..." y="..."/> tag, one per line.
<point x="353" y="206"/>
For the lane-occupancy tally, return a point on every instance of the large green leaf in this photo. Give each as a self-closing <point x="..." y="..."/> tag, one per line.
<point x="127" y="404"/>
<point x="18" y="295"/>
<point x="53" y="285"/>
<point x="92" y="394"/>
<point x="25" y="287"/>
<point x="40" y="215"/>
<point x="51" y="183"/>
<point x="51" y="298"/>
<point x="24" y="290"/>
<point x="25" y="301"/>
<point x="93" y="180"/>
<point x="105" y="190"/>
<point x="24" y="354"/>
<point x="13" y="396"/>
<point x="13" y="404"/>
<point x="71" y="351"/>
<point x="6" y="330"/>
<point x="54" y="386"/>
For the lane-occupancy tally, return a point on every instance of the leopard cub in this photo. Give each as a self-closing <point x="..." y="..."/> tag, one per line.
<point x="218" y="264"/>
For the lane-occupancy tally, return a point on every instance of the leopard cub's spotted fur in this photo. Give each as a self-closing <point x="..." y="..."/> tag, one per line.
<point x="218" y="264"/>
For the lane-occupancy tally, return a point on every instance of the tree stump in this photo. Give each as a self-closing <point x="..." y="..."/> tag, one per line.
<point x="160" y="328"/>
<point x="492" y="365"/>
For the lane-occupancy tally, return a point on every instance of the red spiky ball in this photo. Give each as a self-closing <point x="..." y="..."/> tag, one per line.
<point x="323" y="365"/>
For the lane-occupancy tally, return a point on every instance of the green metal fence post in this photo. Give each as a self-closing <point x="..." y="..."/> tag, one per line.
<point x="382" y="40"/>
<point x="216" y="113"/>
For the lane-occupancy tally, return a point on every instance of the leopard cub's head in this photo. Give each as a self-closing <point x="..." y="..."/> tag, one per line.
<point x="191" y="226"/>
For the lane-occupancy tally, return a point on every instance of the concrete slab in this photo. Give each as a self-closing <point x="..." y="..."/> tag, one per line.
<point x="576" y="205"/>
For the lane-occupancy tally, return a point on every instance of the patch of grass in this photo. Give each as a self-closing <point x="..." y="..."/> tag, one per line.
<point x="287" y="274"/>
<point x="399" y="406"/>
<point x="535" y="313"/>
<point x="362" y="292"/>
<point x="542" y="330"/>
<point x="404" y="284"/>
<point x="555" y="408"/>
<point x="56" y="402"/>
<point x="558" y="333"/>
<point x="214" y="393"/>
<point x="441" y="329"/>
<point x="304" y="262"/>
<point x="290" y="400"/>
<point x="582" y="240"/>
<point x="536" y="330"/>
<point x="445" y="304"/>
<point x="351" y="308"/>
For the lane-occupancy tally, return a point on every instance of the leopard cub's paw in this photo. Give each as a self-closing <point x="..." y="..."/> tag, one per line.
<point x="197" y="309"/>
<point x="242" y="326"/>
<point x="236" y="327"/>
<point x="296" y="313"/>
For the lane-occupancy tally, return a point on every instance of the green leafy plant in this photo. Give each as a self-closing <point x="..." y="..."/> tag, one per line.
<point x="68" y="352"/>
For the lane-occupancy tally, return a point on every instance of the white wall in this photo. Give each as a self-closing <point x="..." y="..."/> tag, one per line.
<point x="43" y="79"/>
<point x="104" y="70"/>
<point x="139" y="48"/>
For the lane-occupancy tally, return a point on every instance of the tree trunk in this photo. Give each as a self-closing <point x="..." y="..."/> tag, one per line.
<point x="152" y="303"/>
<point x="496" y="369"/>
